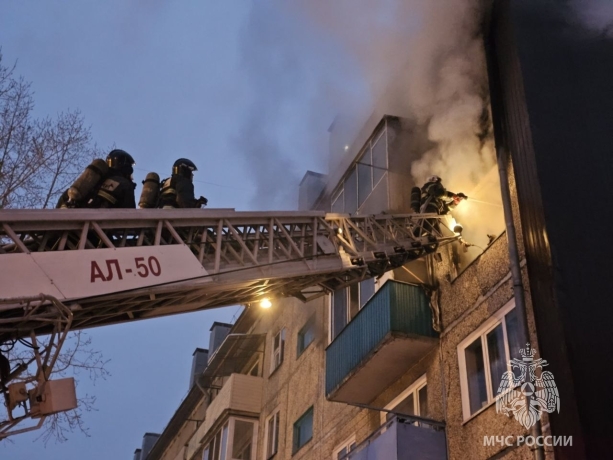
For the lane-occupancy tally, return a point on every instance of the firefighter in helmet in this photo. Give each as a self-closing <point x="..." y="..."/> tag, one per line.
<point x="435" y="199"/>
<point x="104" y="184"/>
<point x="178" y="190"/>
<point x="117" y="191"/>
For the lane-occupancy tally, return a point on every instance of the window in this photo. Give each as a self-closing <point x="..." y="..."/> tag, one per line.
<point x="412" y="401"/>
<point x="363" y="177"/>
<point x="306" y="335"/>
<point x="351" y="193"/>
<point x="303" y="430"/>
<point x="216" y="449"/>
<point x="379" y="158"/>
<point x="278" y="349"/>
<point x="364" y="168"/>
<point x="234" y="441"/>
<point x="346" y="302"/>
<point x="338" y="202"/>
<point x="243" y="439"/>
<point x="255" y="369"/>
<point x="484" y="357"/>
<point x="341" y="451"/>
<point x="272" y="434"/>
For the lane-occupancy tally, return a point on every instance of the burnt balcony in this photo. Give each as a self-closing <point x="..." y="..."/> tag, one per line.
<point x="390" y="334"/>
<point x="403" y="439"/>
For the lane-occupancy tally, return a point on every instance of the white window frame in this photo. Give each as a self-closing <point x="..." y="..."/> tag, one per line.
<point x="361" y="304"/>
<point x="275" y="413"/>
<point x="255" y="365"/>
<point x="230" y="426"/>
<point x="412" y="388"/>
<point x="345" y="444"/>
<point x="280" y="351"/>
<point x="480" y="333"/>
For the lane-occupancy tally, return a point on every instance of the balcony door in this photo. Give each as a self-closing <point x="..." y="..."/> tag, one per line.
<point x="412" y="401"/>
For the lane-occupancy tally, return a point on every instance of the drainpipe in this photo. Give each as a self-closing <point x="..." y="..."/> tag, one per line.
<point x="518" y="285"/>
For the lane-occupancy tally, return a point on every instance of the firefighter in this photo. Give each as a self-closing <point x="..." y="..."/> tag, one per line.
<point x="435" y="199"/>
<point x="178" y="190"/>
<point x="104" y="184"/>
<point x="117" y="191"/>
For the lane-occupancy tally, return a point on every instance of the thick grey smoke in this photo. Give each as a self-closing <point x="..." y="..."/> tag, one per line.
<point x="420" y="59"/>
<point x="597" y="15"/>
<point x="299" y="76"/>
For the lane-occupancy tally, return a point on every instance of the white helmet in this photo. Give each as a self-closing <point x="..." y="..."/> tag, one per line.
<point x="434" y="179"/>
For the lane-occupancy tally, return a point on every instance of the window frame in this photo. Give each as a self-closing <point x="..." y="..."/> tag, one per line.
<point x="295" y="447"/>
<point x="229" y="426"/>
<point x="340" y="191"/>
<point x="480" y="333"/>
<point x="275" y="414"/>
<point x="274" y="365"/>
<point x="348" y="317"/>
<point x="350" y="443"/>
<point x="309" y="325"/>
<point x="413" y="388"/>
<point x="256" y="366"/>
<point x="372" y="155"/>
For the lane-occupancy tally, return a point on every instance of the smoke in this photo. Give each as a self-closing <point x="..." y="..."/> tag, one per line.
<point x="596" y="15"/>
<point x="298" y="77"/>
<point x="419" y="59"/>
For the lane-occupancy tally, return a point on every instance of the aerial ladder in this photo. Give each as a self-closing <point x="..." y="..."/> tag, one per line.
<point x="63" y="270"/>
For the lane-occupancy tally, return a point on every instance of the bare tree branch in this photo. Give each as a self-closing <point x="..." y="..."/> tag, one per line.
<point x="39" y="159"/>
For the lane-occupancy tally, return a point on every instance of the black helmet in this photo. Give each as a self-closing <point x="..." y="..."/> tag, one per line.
<point x="184" y="167"/>
<point x="118" y="158"/>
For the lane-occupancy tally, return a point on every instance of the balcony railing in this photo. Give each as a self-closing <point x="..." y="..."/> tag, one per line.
<point x="385" y="339"/>
<point x="403" y="439"/>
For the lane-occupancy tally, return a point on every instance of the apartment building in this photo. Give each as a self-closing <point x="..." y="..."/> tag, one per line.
<point x="345" y="375"/>
<point x="408" y="366"/>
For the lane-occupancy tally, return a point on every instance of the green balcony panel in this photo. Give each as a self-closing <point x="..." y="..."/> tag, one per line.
<point x="391" y="333"/>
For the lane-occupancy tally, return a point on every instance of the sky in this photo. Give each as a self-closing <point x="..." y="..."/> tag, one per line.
<point x="247" y="90"/>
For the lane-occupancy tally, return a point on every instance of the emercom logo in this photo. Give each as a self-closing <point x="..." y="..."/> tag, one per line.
<point x="526" y="391"/>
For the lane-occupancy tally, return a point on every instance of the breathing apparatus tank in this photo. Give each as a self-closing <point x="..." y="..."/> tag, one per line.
<point x="87" y="182"/>
<point x="151" y="191"/>
<point x="415" y="199"/>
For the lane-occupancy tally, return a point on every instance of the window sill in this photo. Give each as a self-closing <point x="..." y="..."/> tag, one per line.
<point x="304" y="350"/>
<point x="479" y="412"/>
<point x="302" y="447"/>
<point x="487" y="406"/>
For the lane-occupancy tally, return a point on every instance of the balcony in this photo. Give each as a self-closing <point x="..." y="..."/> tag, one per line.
<point x="391" y="333"/>
<point x="400" y="439"/>
<point x="241" y="394"/>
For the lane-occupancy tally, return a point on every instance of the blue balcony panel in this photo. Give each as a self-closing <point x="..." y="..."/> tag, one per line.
<point x="402" y="440"/>
<point x="391" y="333"/>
